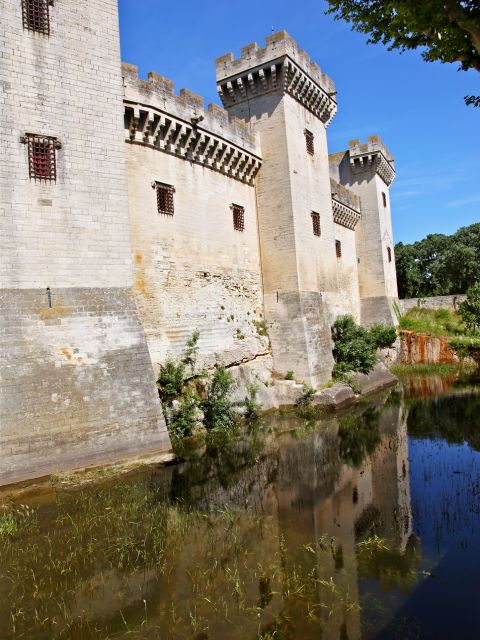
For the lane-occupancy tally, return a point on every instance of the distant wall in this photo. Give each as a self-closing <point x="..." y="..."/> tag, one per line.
<point x="437" y="302"/>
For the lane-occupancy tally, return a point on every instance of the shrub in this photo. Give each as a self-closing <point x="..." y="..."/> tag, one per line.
<point x="383" y="336"/>
<point x="170" y="381"/>
<point x="469" y="310"/>
<point x="307" y="397"/>
<point x="183" y="419"/>
<point x="467" y="347"/>
<point x="290" y="375"/>
<point x="218" y="409"/>
<point x="252" y="407"/>
<point x="354" y="348"/>
<point x="191" y="351"/>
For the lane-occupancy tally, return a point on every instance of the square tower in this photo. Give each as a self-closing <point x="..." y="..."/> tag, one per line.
<point x="77" y="382"/>
<point x="368" y="170"/>
<point x="289" y="101"/>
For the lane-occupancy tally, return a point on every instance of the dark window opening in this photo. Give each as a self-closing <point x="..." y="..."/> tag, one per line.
<point x="36" y="15"/>
<point x="309" y="142"/>
<point x="165" y="203"/>
<point x="238" y="217"/>
<point x="42" y="157"/>
<point x="316" y="223"/>
<point x="389" y="253"/>
<point x="338" y="248"/>
<point x="384" y="198"/>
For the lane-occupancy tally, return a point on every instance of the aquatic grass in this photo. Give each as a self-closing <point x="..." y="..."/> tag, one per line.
<point x="402" y="370"/>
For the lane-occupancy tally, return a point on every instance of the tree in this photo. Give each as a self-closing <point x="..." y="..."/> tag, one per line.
<point x="446" y="30"/>
<point x="470" y="308"/>
<point x="439" y="264"/>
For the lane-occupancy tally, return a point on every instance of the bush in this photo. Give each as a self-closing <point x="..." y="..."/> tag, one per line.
<point x="466" y="347"/>
<point x="307" y="397"/>
<point x="354" y="348"/>
<point x="183" y="418"/>
<point x="252" y="407"/>
<point x="217" y="407"/>
<point x="383" y="336"/>
<point x="469" y="310"/>
<point x="290" y="375"/>
<point x="171" y="381"/>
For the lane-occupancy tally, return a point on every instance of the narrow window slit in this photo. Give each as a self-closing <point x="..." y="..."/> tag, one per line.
<point x="316" y="223"/>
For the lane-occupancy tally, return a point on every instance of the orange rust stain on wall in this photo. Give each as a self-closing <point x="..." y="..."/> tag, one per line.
<point x="47" y="313"/>
<point x="67" y="354"/>
<point x="138" y="258"/>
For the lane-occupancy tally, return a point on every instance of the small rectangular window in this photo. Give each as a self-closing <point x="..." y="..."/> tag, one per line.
<point x="165" y="204"/>
<point x="42" y="156"/>
<point x="389" y="253"/>
<point x="309" y="142"/>
<point x="238" y="217"/>
<point x="384" y="198"/>
<point x="338" y="248"/>
<point x="36" y="15"/>
<point x="316" y="223"/>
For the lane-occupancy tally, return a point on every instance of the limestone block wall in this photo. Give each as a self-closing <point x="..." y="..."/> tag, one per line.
<point x="368" y="171"/>
<point x="77" y="383"/>
<point x="346" y="298"/>
<point x="284" y="95"/>
<point x="434" y="302"/>
<point x="193" y="269"/>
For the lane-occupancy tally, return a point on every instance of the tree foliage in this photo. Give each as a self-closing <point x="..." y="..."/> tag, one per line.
<point x="470" y="308"/>
<point x="446" y="30"/>
<point x="439" y="264"/>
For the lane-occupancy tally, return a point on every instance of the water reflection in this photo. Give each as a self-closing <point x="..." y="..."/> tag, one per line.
<point x="301" y="528"/>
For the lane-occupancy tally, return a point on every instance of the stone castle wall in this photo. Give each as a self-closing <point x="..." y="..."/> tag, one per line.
<point x="433" y="302"/>
<point x="77" y="384"/>
<point x="193" y="269"/>
<point x="97" y="281"/>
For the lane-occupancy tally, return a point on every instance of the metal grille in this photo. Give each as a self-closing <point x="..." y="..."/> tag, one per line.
<point x="36" y="15"/>
<point x="309" y="142"/>
<point x="316" y="223"/>
<point x="389" y="253"/>
<point x="238" y="217"/>
<point x="42" y="161"/>
<point x="165" y="203"/>
<point x="338" y="248"/>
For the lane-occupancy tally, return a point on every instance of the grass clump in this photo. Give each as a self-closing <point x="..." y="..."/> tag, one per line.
<point x="290" y="375"/>
<point x="435" y="322"/>
<point x="467" y="346"/>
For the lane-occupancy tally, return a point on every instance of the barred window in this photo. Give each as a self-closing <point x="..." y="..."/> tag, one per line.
<point x="309" y="142"/>
<point x="36" y="15"/>
<point x="42" y="156"/>
<point x="384" y="198"/>
<point x="316" y="223"/>
<point x="389" y="254"/>
<point x="338" y="248"/>
<point x="165" y="202"/>
<point x="238" y="217"/>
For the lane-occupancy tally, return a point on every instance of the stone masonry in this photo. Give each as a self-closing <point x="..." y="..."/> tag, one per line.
<point x="132" y="216"/>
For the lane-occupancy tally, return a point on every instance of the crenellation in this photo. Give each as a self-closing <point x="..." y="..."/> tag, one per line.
<point x="228" y="221"/>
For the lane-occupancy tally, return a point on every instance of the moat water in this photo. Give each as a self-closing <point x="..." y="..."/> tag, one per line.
<point x="363" y="525"/>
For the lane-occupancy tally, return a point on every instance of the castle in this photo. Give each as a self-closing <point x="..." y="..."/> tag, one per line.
<point x="132" y="216"/>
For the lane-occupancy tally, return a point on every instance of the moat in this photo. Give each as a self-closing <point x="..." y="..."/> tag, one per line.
<point x="360" y="525"/>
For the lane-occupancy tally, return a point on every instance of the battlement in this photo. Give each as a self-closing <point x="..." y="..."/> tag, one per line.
<point x="277" y="46"/>
<point x="372" y="156"/>
<point x="346" y="205"/>
<point x="281" y="67"/>
<point x="180" y="124"/>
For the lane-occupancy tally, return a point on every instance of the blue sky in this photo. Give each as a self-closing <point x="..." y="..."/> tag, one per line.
<point x="416" y="107"/>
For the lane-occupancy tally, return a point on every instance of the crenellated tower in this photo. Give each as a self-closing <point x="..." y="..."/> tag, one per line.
<point x="368" y="170"/>
<point x="289" y="101"/>
<point x="77" y="384"/>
